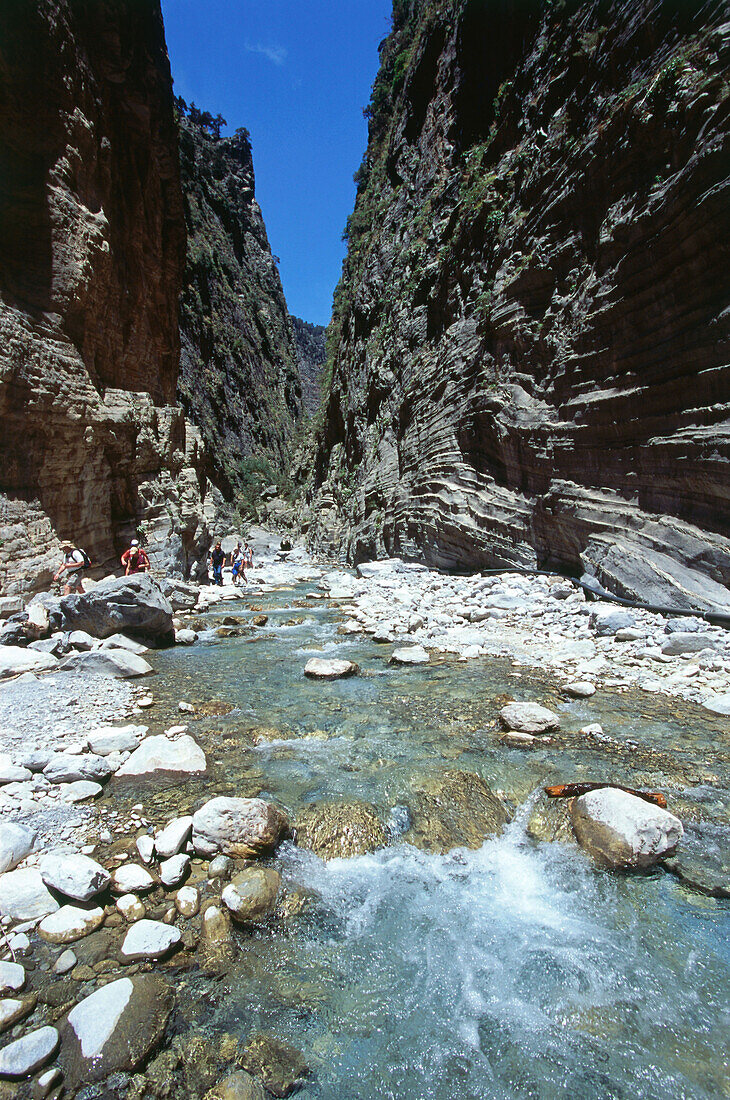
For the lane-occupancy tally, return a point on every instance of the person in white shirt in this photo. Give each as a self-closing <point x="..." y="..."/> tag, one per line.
<point x="73" y="564"/>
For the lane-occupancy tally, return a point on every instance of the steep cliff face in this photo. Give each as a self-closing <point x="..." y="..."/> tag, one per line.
<point x="92" y="242"/>
<point x="530" y="342"/>
<point x="239" y="381"/>
<point x="310" y="345"/>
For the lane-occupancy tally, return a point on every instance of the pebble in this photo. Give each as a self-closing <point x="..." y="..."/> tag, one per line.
<point x="65" y="962"/>
<point x="187" y="901"/>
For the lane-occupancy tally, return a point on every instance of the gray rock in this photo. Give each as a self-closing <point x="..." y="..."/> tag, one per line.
<point x="12" y="977"/>
<point x="146" y="847"/>
<point x="119" y="663"/>
<point x="26" y="1055"/>
<point x="115" y="1028"/>
<point x="528" y="718"/>
<point x="120" y="641"/>
<point x="70" y="923"/>
<point x="149" y="939"/>
<point x="16" y="842"/>
<point x="172" y="839"/>
<point x="620" y="830"/>
<point x="159" y="753"/>
<point x="12" y="773"/>
<point x="65" y="962"/>
<point x="79" y="639"/>
<point x="130" y="878"/>
<point x="81" y="790"/>
<point x="37" y="760"/>
<point x="718" y="704"/>
<point x="109" y="739"/>
<point x="410" y="655"/>
<point x="580" y="689"/>
<point x="240" y="827"/>
<point x="607" y="620"/>
<point x="318" y="668"/>
<point x="75" y="876"/>
<point x="185" y="637"/>
<point x="687" y="642"/>
<point x="65" y="768"/>
<point x="13" y="1009"/>
<point x="24" y="895"/>
<point x="181" y="596"/>
<point x="220" y="867"/>
<point x="174" y="870"/>
<point x="134" y="606"/>
<point x="15" y="659"/>
<point x="685" y="625"/>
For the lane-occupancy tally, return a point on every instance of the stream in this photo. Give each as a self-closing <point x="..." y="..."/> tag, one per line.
<point x="515" y="969"/>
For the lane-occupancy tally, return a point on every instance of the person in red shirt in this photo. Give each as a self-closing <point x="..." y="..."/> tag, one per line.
<point x="135" y="559"/>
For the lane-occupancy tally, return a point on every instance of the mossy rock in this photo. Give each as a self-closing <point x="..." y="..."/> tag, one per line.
<point x="550" y="820"/>
<point x="340" y="829"/>
<point x="454" y="810"/>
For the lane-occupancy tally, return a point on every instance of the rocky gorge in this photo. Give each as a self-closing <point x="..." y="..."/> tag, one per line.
<point x="528" y="352"/>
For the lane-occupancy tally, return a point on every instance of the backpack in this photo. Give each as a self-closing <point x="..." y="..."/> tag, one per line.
<point x="85" y="556"/>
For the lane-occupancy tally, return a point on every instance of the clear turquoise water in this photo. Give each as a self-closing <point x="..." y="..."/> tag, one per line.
<point x="513" y="971"/>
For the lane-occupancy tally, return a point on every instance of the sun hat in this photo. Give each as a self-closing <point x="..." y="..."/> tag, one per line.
<point x="134" y="542"/>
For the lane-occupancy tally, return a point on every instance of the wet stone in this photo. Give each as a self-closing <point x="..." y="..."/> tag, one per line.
<point x="12" y="977"/>
<point x="452" y="810"/>
<point x="340" y="829"/>
<point x="149" y="939"/>
<point x="70" y="923"/>
<point x="29" y="1053"/>
<point x="238" y="1085"/>
<point x="280" y="1066"/>
<point x="251" y="895"/>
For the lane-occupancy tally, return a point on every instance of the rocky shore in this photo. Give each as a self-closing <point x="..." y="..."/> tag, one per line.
<point x="106" y="906"/>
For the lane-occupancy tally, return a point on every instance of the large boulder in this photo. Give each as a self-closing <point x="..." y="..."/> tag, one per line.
<point x="114" y="1028"/>
<point x="15" y="659"/>
<point x="181" y="595"/>
<point x="454" y="809"/>
<point x="240" y="827"/>
<point x="119" y="663"/>
<point x="16" y="842"/>
<point x="621" y="830"/>
<point x="134" y="606"/>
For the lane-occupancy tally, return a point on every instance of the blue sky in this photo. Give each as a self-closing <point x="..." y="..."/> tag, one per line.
<point x="297" y="74"/>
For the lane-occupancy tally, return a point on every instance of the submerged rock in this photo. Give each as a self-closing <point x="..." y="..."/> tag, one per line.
<point x="240" y="827"/>
<point x="251" y="895"/>
<point x="216" y="939"/>
<point x="114" y="1028"/>
<point x="238" y="1085"/>
<point x="454" y="809"/>
<point x="340" y="829"/>
<point x="280" y="1066"/>
<point x="550" y="820"/>
<point x="620" y="830"/>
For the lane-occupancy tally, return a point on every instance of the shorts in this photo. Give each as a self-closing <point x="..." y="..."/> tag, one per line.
<point x="72" y="578"/>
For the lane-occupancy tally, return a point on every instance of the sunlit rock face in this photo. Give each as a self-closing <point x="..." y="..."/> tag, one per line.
<point x="531" y="334"/>
<point x="92" y="242"/>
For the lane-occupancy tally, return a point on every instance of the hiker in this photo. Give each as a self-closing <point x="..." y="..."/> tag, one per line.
<point x="73" y="564"/>
<point x="237" y="565"/>
<point x="247" y="556"/>
<point x="135" y="559"/>
<point x="217" y="560"/>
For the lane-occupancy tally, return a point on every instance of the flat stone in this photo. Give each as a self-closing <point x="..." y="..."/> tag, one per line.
<point x="317" y="668"/>
<point x="187" y="901"/>
<point x="149" y="939"/>
<point x="251" y="895"/>
<point x="76" y="876"/>
<point x="159" y="753"/>
<point x="65" y="962"/>
<point x="620" y="830"/>
<point x="130" y="878"/>
<point x="15" y="659"/>
<point x="131" y="907"/>
<point x="687" y="642"/>
<point x="528" y="718"/>
<point x="70" y="923"/>
<point x="16" y="842"/>
<point x="580" y="689"/>
<point x="65" y="768"/>
<point x="243" y="828"/>
<point x="81" y="790"/>
<point x="115" y="1028"/>
<point x="174" y="870"/>
<point x="172" y="839"/>
<point x="410" y="655"/>
<point x="26" y="1055"/>
<point x="12" y="977"/>
<point x="108" y="739"/>
<point x="13" y="1009"/>
<point x="608" y="620"/>
<point x="121" y="641"/>
<point x="117" y="663"/>
<point x="24" y="896"/>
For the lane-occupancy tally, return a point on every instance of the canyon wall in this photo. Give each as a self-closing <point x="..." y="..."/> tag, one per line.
<point x="528" y="357"/>
<point x="93" y="445"/>
<point x="239" y="381"/>
<point x="310" y="344"/>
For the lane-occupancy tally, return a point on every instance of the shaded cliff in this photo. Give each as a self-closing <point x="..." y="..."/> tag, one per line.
<point x="310" y="345"/>
<point x="239" y="381"/>
<point x="529" y="345"/>
<point x="92" y="244"/>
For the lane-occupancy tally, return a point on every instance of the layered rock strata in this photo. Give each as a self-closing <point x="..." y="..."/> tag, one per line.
<point x="92" y="239"/>
<point x="529" y="344"/>
<point x="239" y="381"/>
